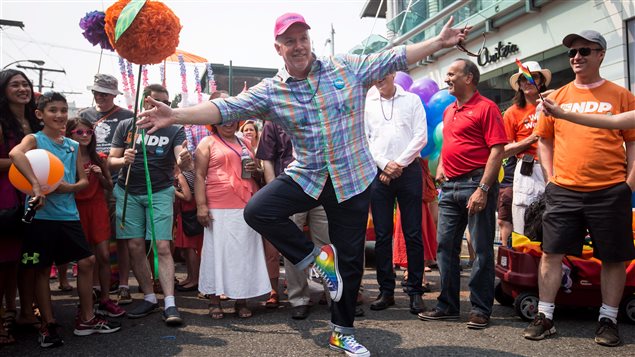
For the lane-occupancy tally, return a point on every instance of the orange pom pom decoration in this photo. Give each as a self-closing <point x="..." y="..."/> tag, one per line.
<point x="152" y="36"/>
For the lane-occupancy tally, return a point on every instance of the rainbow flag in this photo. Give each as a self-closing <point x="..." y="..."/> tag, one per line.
<point x="525" y="72"/>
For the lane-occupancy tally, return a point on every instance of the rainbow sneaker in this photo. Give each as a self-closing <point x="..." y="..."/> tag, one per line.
<point x="347" y="344"/>
<point x="326" y="266"/>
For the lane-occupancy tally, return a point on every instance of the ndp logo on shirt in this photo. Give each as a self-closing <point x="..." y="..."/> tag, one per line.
<point x="153" y="140"/>
<point x="587" y="107"/>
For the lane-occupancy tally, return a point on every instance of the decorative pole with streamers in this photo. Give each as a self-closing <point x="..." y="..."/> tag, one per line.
<point x="131" y="26"/>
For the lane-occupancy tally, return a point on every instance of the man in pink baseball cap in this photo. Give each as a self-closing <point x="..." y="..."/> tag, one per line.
<point x="285" y="21"/>
<point x="319" y="102"/>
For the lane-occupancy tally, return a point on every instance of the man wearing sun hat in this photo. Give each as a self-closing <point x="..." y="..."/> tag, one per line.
<point x="587" y="170"/>
<point x="319" y="103"/>
<point x="520" y="120"/>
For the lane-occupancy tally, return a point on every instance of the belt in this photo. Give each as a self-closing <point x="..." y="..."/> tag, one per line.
<point x="477" y="172"/>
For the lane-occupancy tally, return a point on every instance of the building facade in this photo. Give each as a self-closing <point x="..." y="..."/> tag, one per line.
<point x="523" y="29"/>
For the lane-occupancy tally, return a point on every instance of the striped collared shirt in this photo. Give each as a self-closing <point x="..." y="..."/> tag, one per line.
<point x="324" y="117"/>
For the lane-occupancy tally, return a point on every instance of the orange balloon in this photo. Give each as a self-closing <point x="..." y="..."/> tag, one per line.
<point x="47" y="167"/>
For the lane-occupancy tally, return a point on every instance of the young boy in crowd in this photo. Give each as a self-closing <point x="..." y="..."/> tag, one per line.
<point x="55" y="233"/>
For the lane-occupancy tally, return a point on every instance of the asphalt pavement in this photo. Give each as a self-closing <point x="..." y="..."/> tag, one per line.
<point x="392" y="332"/>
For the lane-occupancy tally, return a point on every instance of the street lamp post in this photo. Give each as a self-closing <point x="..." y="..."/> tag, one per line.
<point x="37" y="62"/>
<point x="42" y="70"/>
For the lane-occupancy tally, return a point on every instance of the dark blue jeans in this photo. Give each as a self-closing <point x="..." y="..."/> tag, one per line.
<point x="268" y="213"/>
<point x="407" y="189"/>
<point x="453" y="218"/>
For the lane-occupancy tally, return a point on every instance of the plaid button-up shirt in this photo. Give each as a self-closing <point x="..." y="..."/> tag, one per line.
<point x="324" y="117"/>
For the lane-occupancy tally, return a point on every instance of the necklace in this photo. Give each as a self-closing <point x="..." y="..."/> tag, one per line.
<point x="316" y="87"/>
<point x="392" y="106"/>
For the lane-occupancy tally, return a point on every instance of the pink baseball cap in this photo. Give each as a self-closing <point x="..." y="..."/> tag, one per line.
<point x="285" y="21"/>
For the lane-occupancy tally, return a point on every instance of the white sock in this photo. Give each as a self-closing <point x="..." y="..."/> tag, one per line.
<point x="124" y="286"/>
<point x="546" y="308"/>
<point x="609" y="312"/>
<point x="169" y="301"/>
<point x="150" y="298"/>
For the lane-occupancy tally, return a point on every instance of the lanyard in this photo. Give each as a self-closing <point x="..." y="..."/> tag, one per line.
<point x="232" y="149"/>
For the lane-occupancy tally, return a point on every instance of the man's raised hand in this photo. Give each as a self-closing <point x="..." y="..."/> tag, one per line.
<point x="161" y="116"/>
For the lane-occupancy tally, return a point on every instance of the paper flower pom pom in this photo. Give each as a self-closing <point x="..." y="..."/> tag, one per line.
<point x="93" y="26"/>
<point x="151" y="37"/>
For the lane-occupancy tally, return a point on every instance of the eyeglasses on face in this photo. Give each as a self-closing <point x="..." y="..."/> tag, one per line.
<point x="584" y="51"/>
<point x="82" y="132"/>
<point x="537" y="78"/>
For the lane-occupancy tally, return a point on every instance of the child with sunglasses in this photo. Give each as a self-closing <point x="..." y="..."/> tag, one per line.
<point x="93" y="211"/>
<point x="55" y="234"/>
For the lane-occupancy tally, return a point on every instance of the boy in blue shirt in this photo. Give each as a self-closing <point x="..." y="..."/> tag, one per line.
<point x="55" y="234"/>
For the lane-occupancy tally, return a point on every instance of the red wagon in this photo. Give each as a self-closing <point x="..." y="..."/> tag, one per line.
<point x="517" y="270"/>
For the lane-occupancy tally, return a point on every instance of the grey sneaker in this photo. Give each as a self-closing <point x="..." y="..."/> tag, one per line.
<point x="540" y="328"/>
<point x="123" y="297"/>
<point x="172" y="317"/>
<point x="142" y="309"/>
<point x="607" y="334"/>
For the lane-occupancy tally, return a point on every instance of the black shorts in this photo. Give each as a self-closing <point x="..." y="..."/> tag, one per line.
<point x="605" y="213"/>
<point x="505" y="195"/>
<point x="49" y="242"/>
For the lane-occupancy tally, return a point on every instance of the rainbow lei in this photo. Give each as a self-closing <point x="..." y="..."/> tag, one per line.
<point x="211" y="83"/>
<point x="197" y="79"/>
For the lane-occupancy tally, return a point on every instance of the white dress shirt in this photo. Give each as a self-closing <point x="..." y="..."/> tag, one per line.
<point x="400" y="132"/>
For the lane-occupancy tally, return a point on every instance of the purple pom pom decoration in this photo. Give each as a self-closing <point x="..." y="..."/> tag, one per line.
<point x="93" y="26"/>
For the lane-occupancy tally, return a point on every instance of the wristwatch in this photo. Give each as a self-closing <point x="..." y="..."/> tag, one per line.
<point x="483" y="187"/>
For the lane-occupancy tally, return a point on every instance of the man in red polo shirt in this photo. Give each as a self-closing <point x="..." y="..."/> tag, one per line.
<point x="473" y="145"/>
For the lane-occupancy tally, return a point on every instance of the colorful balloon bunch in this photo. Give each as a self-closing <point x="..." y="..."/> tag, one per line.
<point x="434" y="102"/>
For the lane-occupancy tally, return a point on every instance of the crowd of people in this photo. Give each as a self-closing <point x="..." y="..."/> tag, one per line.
<point x="235" y="198"/>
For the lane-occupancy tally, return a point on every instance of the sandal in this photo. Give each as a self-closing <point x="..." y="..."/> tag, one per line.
<point x="242" y="311"/>
<point x="216" y="311"/>
<point x="273" y="302"/>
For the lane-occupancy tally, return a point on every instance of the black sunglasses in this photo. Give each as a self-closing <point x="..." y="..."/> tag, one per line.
<point x="459" y="46"/>
<point x="584" y="51"/>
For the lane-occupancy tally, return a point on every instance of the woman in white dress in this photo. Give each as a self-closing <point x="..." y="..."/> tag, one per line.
<point x="233" y="260"/>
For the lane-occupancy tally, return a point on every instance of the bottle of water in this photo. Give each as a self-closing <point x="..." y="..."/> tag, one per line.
<point x="244" y="160"/>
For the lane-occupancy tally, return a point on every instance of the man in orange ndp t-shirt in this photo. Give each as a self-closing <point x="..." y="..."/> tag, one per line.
<point x="520" y="120"/>
<point x="587" y="169"/>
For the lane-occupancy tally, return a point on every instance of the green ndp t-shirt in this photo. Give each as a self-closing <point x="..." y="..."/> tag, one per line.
<point x="160" y="149"/>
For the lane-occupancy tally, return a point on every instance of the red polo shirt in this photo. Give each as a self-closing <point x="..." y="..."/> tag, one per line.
<point x="468" y="133"/>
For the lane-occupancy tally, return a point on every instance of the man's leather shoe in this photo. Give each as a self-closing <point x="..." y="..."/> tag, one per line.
<point x="382" y="302"/>
<point x="416" y="304"/>
<point x="300" y="312"/>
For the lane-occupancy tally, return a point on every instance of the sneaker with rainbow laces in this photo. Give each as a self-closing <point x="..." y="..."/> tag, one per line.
<point x="326" y="266"/>
<point x="347" y="344"/>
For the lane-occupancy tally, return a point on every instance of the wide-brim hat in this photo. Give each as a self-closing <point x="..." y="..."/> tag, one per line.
<point x="105" y="83"/>
<point x="533" y="67"/>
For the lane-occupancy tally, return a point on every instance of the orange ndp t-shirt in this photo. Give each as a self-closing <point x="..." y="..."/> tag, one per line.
<point x="584" y="158"/>
<point x="519" y="124"/>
